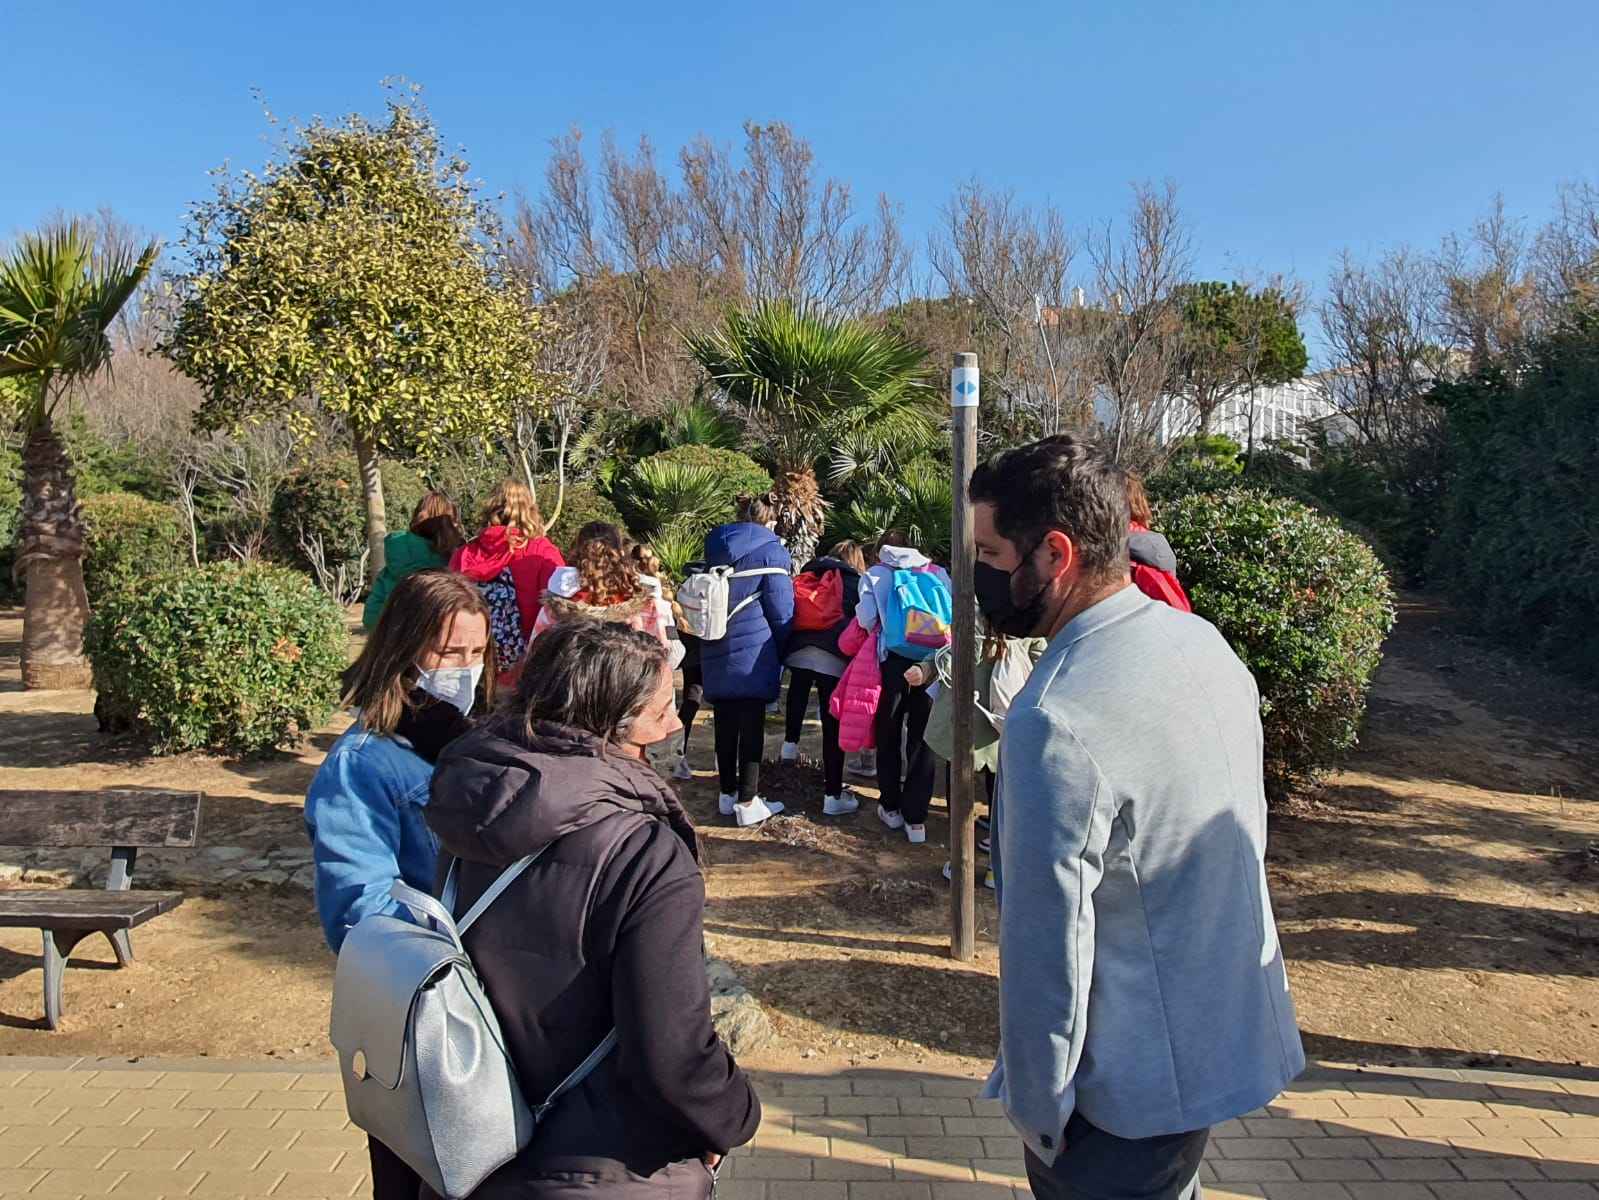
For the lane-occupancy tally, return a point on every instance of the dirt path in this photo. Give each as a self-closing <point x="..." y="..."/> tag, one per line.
<point x="1438" y="902"/>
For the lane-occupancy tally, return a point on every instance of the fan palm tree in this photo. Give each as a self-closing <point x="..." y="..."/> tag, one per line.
<point x="58" y="297"/>
<point x="813" y="385"/>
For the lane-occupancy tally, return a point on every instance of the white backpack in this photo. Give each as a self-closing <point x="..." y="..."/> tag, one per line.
<point x="703" y="599"/>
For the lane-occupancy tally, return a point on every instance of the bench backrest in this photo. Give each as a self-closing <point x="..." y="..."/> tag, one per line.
<point x="120" y="818"/>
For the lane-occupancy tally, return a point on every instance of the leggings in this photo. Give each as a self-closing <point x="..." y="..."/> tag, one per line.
<point x="693" y="697"/>
<point x="904" y="709"/>
<point x="740" y="742"/>
<point x="800" y="682"/>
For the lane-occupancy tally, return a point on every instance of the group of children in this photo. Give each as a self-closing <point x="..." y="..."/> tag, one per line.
<point x="871" y="639"/>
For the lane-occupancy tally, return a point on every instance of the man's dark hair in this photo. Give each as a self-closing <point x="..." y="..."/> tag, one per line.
<point x="1064" y="483"/>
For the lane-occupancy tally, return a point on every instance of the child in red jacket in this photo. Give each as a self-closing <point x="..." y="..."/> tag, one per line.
<point x="1154" y="565"/>
<point x="511" y="562"/>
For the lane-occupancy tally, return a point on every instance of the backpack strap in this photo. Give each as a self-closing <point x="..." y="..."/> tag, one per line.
<point x="583" y="1070"/>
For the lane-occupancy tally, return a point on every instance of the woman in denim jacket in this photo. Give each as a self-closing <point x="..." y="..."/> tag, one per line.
<point x="428" y="664"/>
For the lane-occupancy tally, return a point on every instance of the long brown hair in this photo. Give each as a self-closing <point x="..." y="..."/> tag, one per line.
<point x="757" y="510"/>
<point x="1138" y="502"/>
<point x="438" y="520"/>
<point x="600" y="556"/>
<point x="513" y="505"/>
<point x="415" y="620"/>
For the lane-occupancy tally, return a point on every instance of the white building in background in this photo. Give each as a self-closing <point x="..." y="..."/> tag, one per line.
<point x="1285" y="413"/>
<point x="1289" y="412"/>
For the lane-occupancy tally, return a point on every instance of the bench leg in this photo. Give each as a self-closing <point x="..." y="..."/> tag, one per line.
<point x="57" y="946"/>
<point x="121" y="945"/>
<point x="119" y="880"/>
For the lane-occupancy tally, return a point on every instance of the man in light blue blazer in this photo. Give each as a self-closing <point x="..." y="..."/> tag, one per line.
<point x="1142" y="992"/>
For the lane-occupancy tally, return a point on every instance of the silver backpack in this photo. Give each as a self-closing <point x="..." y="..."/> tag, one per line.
<point x="425" y="1067"/>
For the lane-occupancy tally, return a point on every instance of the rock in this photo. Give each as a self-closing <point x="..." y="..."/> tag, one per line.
<point x="736" y="1015"/>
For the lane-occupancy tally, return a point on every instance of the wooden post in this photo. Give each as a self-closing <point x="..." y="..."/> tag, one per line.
<point x="963" y="394"/>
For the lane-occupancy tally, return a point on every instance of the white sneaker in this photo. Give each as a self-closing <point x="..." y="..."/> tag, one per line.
<point x="916" y="834"/>
<point x="988" y="879"/>
<point x="681" y="769"/>
<point x="890" y="817"/>
<point x="756" y="811"/>
<point x="864" y="767"/>
<point x="841" y="805"/>
<point x="790" y="751"/>
<point x="727" y="802"/>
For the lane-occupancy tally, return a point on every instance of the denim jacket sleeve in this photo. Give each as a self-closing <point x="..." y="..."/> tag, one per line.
<point x="353" y="814"/>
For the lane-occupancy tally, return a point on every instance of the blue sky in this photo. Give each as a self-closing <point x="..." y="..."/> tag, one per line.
<point x="1292" y="129"/>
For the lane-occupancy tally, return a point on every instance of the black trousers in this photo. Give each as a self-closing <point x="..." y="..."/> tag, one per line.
<point x="1096" y="1165"/>
<point x="800" y="683"/>
<point x="904" y="710"/>
<point x="693" y="696"/>
<point x="740" y="742"/>
<point x="391" y="1178"/>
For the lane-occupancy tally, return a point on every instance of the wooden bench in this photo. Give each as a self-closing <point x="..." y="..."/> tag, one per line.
<point x="123" y="821"/>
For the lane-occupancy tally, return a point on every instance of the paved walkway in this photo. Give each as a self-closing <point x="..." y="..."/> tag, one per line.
<point x="210" y="1129"/>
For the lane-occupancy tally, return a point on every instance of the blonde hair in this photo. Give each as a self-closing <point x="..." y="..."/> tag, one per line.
<point x="647" y="562"/>
<point x="850" y="552"/>
<point x="514" y="506"/>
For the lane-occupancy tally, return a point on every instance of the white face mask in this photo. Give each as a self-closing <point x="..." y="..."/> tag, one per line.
<point x="453" y="685"/>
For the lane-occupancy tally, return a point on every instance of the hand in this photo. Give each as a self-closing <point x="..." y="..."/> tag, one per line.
<point x="915" y="677"/>
<point x="711" y="1159"/>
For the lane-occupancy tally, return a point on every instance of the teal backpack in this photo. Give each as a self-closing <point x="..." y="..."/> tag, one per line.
<point x="916" y="619"/>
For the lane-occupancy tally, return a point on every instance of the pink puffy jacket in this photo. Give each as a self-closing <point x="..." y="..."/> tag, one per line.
<point x="856" y="697"/>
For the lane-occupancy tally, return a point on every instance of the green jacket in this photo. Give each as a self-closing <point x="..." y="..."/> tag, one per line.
<point x="403" y="554"/>
<point x="940" y="736"/>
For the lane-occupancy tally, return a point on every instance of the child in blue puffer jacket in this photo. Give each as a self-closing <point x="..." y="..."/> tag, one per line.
<point x="743" y="671"/>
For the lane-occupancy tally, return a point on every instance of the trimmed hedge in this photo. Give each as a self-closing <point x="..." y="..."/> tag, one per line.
<point x="1518" y="546"/>
<point x="320" y="500"/>
<point x="226" y="657"/>
<point x="128" y="538"/>
<point x="581" y="505"/>
<point x="1306" y="605"/>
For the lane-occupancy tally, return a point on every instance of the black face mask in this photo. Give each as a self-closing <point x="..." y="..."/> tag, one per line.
<point x="996" y="598"/>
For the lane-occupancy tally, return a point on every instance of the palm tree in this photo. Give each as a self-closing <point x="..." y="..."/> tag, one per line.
<point x="818" y="389"/>
<point x="58" y="297"/>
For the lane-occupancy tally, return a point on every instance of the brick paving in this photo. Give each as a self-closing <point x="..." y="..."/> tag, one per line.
<point x="247" y="1130"/>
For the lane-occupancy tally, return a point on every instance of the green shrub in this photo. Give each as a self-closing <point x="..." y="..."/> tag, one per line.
<point x="677" y="546"/>
<point x="917" y="500"/>
<point x="323" y="499"/>
<point x="581" y="505"/>
<point x="320" y="503"/>
<point x="225" y="657"/>
<point x="469" y="476"/>
<point x="691" y="487"/>
<point x="1517" y="544"/>
<point x="128" y="538"/>
<point x="403" y="486"/>
<point x="10" y="519"/>
<point x="1306" y="605"/>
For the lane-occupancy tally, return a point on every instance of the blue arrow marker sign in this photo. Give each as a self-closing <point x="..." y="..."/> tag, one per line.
<point x="963" y="389"/>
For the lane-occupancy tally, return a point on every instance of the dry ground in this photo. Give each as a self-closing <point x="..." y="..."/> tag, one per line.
<point x="1438" y="900"/>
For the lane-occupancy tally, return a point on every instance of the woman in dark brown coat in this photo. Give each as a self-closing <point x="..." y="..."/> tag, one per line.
<point x="604" y="930"/>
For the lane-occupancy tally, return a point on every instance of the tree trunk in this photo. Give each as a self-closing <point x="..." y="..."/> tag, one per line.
<point x="801" y="512"/>
<point x="50" y="559"/>
<point x="377" y="521"/>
